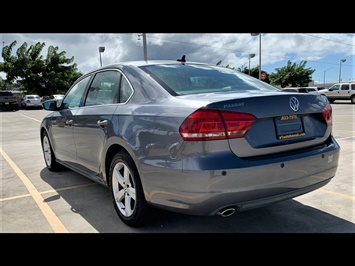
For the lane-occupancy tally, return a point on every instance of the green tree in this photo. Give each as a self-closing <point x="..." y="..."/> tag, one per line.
<point x="227" y="66"/>
<point x="36" y="75"/>
<point x="292" y="75"/>
<point x="254" y="72"/>
<point x="2" y="84"/>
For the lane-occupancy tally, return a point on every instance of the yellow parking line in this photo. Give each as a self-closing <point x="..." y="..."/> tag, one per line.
<point x="345" y="138"/>
<point x="52" y="219"/>
<point x="338" y="194"/>
<point x="48" y="191"/>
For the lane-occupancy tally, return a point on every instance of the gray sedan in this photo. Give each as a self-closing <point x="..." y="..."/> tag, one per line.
<point x="189" y="137"/>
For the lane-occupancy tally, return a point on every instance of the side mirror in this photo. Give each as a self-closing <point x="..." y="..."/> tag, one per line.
<point x="51" y="105"/>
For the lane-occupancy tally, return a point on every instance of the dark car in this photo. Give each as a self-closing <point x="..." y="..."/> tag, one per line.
<point x="8" y="101"/>
<point x="189" y="137"/>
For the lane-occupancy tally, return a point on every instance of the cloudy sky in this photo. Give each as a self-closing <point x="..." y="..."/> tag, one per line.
<point x="322" y="51"/>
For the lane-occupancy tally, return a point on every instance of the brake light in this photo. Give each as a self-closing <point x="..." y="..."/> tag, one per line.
<point x="328" y="114"/>
<point x="206" y="124"/>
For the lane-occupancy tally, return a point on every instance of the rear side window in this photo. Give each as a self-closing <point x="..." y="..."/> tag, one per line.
<point x="125" y="91"/>
<point x="345" y="87"/>
<point x="353" y="87"/>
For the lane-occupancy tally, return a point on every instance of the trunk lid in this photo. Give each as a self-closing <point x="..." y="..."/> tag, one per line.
<point x="284" y="121"/>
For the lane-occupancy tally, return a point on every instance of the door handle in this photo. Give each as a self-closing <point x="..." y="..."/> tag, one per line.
<point x="102" y="123"/>
<point x="69" y="122"/>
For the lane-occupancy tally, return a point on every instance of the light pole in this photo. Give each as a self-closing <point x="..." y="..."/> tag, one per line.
<point x="101" y="50"/>
<point x="341" y="61"/>
<point x="256" y="34"/>
<point x="250" y="56"/>
<point x="324" y="76"/>
<point x="144" y="45"/>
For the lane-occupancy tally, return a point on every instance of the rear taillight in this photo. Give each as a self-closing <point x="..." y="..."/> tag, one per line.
<point x="213" y="125"/>
<point x="328" y="114"/>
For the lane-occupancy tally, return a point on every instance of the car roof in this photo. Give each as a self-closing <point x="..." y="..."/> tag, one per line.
<point x="153" y="62"/>
<point x="139" y="63"/>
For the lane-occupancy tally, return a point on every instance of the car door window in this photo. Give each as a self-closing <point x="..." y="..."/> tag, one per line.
<point x="335" y="87"/>
<point x="75" y="95"/>
<point x="104" y="88"/>
<point x="345" y="87"/>
<point x="125" y="91"/>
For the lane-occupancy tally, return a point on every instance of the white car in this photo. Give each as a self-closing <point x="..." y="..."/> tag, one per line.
<point x="340" y="91"/>
<point x="31" y="101"/>
<point x="57" y="96"/>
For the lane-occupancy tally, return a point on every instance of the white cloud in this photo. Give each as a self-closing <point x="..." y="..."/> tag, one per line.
<point x="321" y="51"/>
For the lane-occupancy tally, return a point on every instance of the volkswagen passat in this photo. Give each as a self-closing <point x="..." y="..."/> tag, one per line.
<point x="189" y="137"/>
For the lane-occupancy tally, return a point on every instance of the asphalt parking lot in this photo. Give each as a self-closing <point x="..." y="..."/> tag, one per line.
<point x="35" y="200"/>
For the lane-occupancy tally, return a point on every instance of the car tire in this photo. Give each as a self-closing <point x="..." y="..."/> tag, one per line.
<point x="127" y="192"/>
<point x="48" y="154"/>
<point x="353" y="99"/>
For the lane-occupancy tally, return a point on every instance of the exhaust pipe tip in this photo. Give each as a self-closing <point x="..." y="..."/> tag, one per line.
<point x="226" y="212"/>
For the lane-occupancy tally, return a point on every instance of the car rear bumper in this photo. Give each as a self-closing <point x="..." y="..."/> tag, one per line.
<point x="9" y="105"/>
<point x="33" y="104"/>
<point x="210" y="192"/>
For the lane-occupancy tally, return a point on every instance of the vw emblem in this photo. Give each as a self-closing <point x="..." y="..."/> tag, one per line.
<point x="294" y="104"/>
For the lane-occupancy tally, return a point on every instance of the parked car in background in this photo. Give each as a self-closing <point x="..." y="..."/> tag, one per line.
<point x="302" y="89"/>
<point x="56" y="96"/>
<point x="8" y="101"/>
<point x="53" y="96"/>
<point x="45" y="98"/>
<point x="340" y="91"/>
<point x="31" y="101"/>
<point x="187" y="137"/>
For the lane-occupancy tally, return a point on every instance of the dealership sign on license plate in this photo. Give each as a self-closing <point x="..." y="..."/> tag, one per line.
<point x="289" y="126"/>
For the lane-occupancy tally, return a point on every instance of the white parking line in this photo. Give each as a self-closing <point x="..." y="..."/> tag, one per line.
<point x="31" y="118"/>
<point x="52" y="219"/>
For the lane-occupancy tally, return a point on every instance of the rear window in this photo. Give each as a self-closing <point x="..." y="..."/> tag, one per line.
<point x="36" y="97"/>
<point x="6" y="93"/>
<point x="185" y="79"/>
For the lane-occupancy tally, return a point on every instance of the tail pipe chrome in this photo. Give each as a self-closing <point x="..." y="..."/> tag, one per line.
<point x="226" y="212"/>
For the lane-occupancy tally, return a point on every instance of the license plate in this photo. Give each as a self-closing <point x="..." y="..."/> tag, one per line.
<point x="289" y="126"/>
<point x="7" y="103"/>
